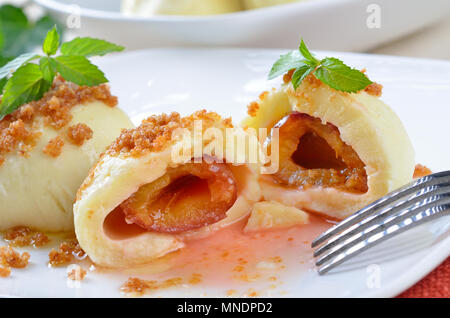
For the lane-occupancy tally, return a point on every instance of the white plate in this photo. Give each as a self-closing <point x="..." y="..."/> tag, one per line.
<point x="339" y="25"/>
<point x="164" y="80"/>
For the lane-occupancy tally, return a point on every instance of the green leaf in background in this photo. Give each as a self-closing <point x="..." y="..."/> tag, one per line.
<point x="14" y="27"/>
<point x="13" y="65"/>
<point x="88" y="47"/>
<point x="300" y="74"/>
<point x="51" y="42"/>
<point x="339" y="76"/>
<point x="48" y="68"/>
<point x="18" y="35"/>
<point x="77" y="69"/>
<point x="26" y="84"/>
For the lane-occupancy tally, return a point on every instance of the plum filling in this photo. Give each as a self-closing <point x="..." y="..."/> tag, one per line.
<point x="313" y="154"/>
<point x="187" y="197"/>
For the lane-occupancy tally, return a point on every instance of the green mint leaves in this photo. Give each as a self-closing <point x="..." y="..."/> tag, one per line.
<point x="25" y="81"/>
<point x="329" y="70"/>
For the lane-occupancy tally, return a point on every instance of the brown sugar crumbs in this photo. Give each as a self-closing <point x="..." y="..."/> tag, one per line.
<point x="79" y="133"/>
<point x="16" y="129"/>
<point x="9" y="257"/>
<point x="374" y="89"/>
<point x="252" y="109"/>
<point x="23" y="236"/>
<point x="421" y="171"/>
<point x="155" y="132"/>
<point x="54" y="147"/>
<point x="139" y="286"/>
<point x="67" y="252"/>
<point x="77" y="273"/>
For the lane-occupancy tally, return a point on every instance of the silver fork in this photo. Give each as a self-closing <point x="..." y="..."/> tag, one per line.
<point x="418" y="202"/>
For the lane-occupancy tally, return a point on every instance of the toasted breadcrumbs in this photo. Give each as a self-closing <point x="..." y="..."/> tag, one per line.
<point x="54" y="147"/>
<point x="17" y="132"/>
<point x="421" y="171"/>
<point x="139" y="286"/>
<point x="374" y="89"/>
<point x="66" y="253"/>
<point x="79" y="133"/>
<point x="77" y="273"/>
<point x="5" y="271"/>
<point x="156" y="131"/>
<point x="252" y="109"/>
<point x="9" y="257"/>
<point x="23" y="236"/>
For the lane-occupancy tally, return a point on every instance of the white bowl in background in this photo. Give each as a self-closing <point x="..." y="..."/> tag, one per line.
<point x="324" y="24"/>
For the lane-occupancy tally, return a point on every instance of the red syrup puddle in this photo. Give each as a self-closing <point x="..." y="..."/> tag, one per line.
<point x="230" y="258"/>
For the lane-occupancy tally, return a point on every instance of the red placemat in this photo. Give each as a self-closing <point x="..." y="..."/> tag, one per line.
<point x="435" y="285"/>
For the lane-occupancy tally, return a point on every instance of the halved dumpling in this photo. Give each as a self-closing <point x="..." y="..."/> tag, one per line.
<point x="337" y="151"/>
<point x="143" y="200"/>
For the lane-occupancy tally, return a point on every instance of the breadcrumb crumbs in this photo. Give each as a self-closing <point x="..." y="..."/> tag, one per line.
<point x="66" y="253"/>
<point x="5" y="271"/>
<point x="11" y="258"/>
<point x="77" y="273"/>
<point x="252" y="109"/>
<point x="23" y="236"/>
<point x="421" y="171"/>
<point x="140" y="286"/>
<point x="155" y="132"/>
<point x="79" y="133"/>
<point x="54" y="147"/>
<point x="374" y="89"/>
<point x="17" y="132"/>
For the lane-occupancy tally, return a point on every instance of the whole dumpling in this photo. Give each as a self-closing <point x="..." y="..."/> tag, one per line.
<point x="254" y="4"/>
<point x="46" y="150"/>
<point x="179" y="7"/>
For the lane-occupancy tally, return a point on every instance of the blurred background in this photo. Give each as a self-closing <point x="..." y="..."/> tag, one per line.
<point x="414" y="28"/>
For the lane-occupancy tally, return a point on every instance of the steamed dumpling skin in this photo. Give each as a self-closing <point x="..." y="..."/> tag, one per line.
<point x="117" y="176"/>
<point x="179" y="7"/>
<point x="38" y="190"/>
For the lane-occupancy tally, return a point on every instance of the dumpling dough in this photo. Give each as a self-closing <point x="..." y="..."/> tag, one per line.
<point x="179" y="7"/>
<point x="38" y="190"/>
<point x="361" y="124"/>
<point x="272" y="215"/>
<point x="133" y="208"/>
<point x="254" y="4"/>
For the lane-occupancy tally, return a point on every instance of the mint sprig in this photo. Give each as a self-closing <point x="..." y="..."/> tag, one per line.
<point x="331" y="71"/>
<point x="25" y="81"/>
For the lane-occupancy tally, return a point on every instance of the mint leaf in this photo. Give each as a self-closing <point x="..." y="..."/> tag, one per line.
<point x="89" y="47"/>
<point x="330" y="71"/>
<point x="341" y="77"/>
<point x="286" y="63"/>
<point x="26" y="84"/>
<point x="51" y="42"/>
<point x="300" y="74"/>
<point x="11" y="66"/>
<point x="47" y="66"/>
<point x="306" y="53"/>
<point x="79" y="70"/>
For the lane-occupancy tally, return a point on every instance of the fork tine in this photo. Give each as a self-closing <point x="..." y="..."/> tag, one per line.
<point x="380" y="226"/>
<point x="430" y="180"/>
<point x="395" y="229"/>
<point x="388" y="211"/>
